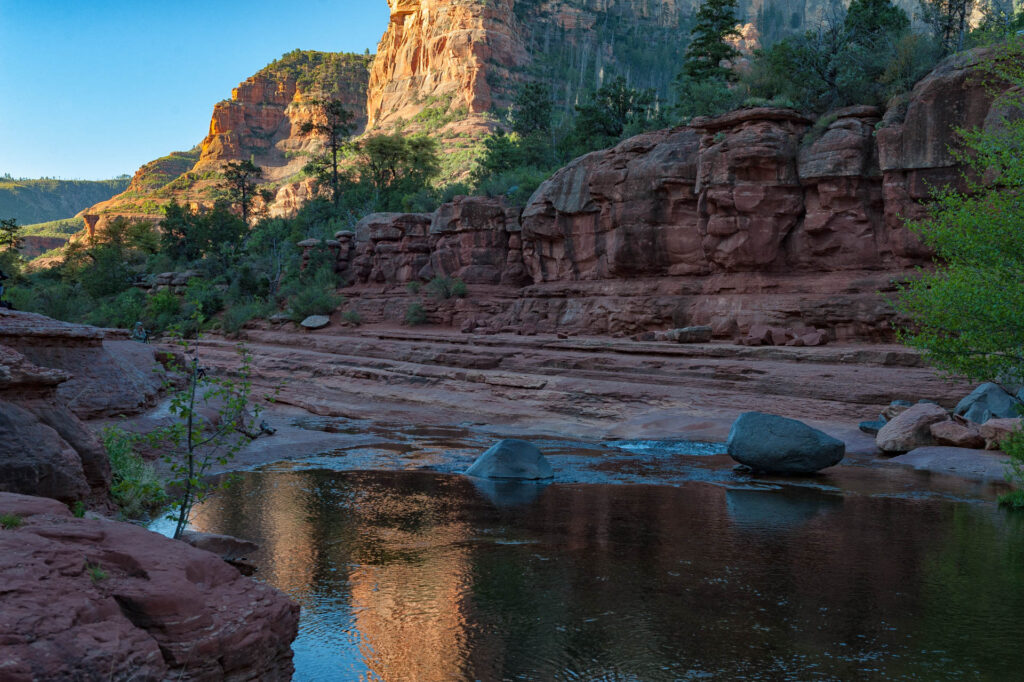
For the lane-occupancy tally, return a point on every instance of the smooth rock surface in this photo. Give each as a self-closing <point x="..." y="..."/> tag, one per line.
<point x="316" y="322"/>
<point x="511" y="458"/>
<point x="150" y="608"/>
<point x="778" y="445"/>
<point x="988" y="401"/>
<point x="967" y="463"/>
<point x="911" y="428"/>
<point x="995" y="431"/>
<point x="956" y="435"/>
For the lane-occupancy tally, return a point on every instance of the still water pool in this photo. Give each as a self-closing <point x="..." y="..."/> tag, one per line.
<point x="419" y="575"/>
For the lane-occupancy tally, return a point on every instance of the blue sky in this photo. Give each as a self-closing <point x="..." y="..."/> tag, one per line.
<point x="91" y="89"/>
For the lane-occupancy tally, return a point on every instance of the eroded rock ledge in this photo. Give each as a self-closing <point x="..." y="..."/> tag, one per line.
<point x="102" y="600"/>
<point x="750" y="218"/>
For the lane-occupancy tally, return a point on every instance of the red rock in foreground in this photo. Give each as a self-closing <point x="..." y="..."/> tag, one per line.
<point x="103" y="600"/>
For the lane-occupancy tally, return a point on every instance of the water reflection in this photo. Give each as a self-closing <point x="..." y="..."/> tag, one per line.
<point x="768" y="509"/>
<point x="423" y="576"/>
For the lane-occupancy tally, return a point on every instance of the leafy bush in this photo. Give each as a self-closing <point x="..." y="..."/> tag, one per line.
<point x="415" y="315"/>
<point x="10" y="521"/>
<point x="235" y="317"/>
<point x="352" y="317"/>
<point x="136" y="488"/>
<point x="163" y="310"/>
<point x="122" y="311"/>
<point x="96" y="573"/>
<point x="444" y="288"/>
<point x="1014" y="447"/>
<point x="205" y="297"/>
<point x="313" y="296"/>
<point x="413" y="287"/>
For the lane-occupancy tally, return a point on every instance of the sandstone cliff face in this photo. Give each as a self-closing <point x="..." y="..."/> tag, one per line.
<point x="739" y="220"/>
<point x="434" y="48"/>
<point x="162" y="610"/>
<point x="51" y="375"/>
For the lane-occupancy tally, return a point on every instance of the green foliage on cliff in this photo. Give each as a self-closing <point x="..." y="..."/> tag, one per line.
<point x="843" y="61"/>
<point x="39" y="201"/>
<point x="54" y="228"/>
<point x="330" y="74"/>
<point x="967" y="315"/>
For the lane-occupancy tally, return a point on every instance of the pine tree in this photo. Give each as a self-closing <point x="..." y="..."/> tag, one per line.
<point x="708" y="48"/>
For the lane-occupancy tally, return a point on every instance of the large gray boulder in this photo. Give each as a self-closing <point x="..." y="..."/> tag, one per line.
<point x="777" y="445"/>
<point x="988" y="401"/>
<point x="511" y="458"/>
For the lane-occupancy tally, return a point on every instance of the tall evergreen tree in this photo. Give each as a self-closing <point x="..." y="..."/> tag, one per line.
<point x="709" y="46"/>
<point x="240" y="178"/>
<point x="336" y="123"/>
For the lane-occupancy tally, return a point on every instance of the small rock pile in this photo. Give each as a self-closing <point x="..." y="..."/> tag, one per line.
<point x="983" y="419"/>
<point x="697" y="334"/>
<point x="761" y="335"/>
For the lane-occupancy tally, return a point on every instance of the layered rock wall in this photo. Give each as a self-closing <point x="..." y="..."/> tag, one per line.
<point x="754" y="217"/>
<point x="51" y="375"/>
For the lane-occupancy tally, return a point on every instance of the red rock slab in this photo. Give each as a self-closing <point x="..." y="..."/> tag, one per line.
<point x="94" y="599"/>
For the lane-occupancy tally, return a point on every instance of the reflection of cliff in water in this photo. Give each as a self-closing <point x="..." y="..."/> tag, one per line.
<point x="411" y="575"/>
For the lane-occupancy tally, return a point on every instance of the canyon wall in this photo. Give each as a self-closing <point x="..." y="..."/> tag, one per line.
<point x="750" y="218"/>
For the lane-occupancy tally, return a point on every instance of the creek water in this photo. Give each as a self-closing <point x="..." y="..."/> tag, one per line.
<point x="412" y="574"/>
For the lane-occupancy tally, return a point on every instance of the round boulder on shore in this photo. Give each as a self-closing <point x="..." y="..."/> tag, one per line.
<point x="512" y="459"/>
<point x="777" y="445"/>
<point x="316" y="322"/>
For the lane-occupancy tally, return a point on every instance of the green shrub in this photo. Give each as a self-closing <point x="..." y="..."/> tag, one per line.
<point x="312" y="299"/>
<point x="447" y="287"/>
<point x="1014" y="447"/>
<point x="413" y="287"/>
<point x="415" y="315"/>
<point x="205" y="296"/>
<point x="123" y="310"/>
<point x="136" y="488"/>
<point x="78" y="509"/>
<point x="235" y="317"/>
<point x="10" y="521"/>
<point x="163" y="310"/>
<point x="352" y="317"/>
<point x="96" y="573"/>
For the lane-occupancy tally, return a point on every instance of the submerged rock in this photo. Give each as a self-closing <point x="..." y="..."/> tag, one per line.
<point x="988" y="401"/>
<point x="873" y="427"/>
<point x="777" y="445"/>
<point x="512" y="458"/>
<point x="911" y="428"/>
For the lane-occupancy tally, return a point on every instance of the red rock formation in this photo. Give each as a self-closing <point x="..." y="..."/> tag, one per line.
<point x="751" y="218"/>
<point x="107" y="375"/>
<point x="917" y="136"/>
<point x="96" y="599"/>
<point x="44" y="448"/>
<point x="438" y="48"/>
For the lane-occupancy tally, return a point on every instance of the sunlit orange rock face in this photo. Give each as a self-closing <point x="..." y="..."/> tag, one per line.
<point x="263" y="120"/>
<point x="440" y="48"/>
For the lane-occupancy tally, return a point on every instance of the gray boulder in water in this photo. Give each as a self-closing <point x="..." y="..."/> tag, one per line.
<point x="988" y="401"/>
<point x="777" y="445"/>
<point x="511" y="458"/>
